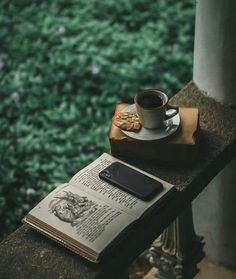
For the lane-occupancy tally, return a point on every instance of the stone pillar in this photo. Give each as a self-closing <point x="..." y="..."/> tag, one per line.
<point x="177" y="250"/>
<point x="215" y="73"/>
<point x="215" y="49"/>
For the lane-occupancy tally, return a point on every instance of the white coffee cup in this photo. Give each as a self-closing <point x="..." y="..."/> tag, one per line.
<point x="153" y="108"/>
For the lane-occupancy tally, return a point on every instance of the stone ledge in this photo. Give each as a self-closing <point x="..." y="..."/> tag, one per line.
<point x="27" y="254"/>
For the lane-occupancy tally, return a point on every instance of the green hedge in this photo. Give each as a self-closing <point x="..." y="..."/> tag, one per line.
<point x="63" y="67"/>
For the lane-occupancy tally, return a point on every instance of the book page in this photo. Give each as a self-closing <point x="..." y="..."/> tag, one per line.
<point x="88" y="180"/>
<point x="84" y="218"/>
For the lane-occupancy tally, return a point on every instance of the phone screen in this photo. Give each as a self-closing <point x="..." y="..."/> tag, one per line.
<point x="131" y="181"/>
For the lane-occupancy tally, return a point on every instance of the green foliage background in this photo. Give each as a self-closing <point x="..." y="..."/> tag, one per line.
<point x="63" y="67"/>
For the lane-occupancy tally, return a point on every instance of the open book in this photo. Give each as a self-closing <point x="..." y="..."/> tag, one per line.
<point x="88" y="215"/>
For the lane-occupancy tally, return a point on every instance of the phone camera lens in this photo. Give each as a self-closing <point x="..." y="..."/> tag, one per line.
<point x="106" y="174"/>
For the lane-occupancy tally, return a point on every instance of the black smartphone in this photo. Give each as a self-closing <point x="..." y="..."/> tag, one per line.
<point x="131" y="181"/>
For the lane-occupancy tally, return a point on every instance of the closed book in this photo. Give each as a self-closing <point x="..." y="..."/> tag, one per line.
<point x="182" y="146"/>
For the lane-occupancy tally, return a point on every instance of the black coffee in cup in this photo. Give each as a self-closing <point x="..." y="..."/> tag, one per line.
<point x="151" y="106"/>
<point x="150" y="101"/>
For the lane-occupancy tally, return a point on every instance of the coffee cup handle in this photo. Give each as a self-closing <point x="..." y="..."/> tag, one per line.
<point x="170" y="115"/>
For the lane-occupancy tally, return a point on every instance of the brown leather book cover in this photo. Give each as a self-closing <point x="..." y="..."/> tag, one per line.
<point x="182" y="146"/>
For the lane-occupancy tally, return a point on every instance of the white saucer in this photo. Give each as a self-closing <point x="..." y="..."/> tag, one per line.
<point x="168" y="129"/>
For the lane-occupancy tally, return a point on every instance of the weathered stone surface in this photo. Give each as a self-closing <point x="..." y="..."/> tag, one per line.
<point x="28" y="254"/>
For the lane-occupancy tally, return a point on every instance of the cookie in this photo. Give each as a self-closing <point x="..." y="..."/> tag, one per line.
<point x="127" y="121"/>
